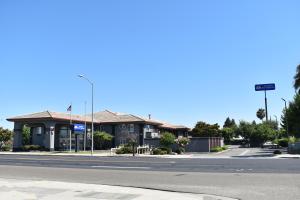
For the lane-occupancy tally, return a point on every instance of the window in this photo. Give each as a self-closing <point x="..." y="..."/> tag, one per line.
<point x="131" y="128"/>
<point x="39" y="130"/>
<point x="148" y="135"/>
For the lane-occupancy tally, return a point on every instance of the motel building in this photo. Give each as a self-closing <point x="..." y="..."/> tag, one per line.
<point x="51" y="130"/>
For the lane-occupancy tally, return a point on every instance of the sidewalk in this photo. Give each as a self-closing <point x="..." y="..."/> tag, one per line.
<point x="49" y="190"/>
<point x="296" y="156"/>
<point x="56" y="153"/>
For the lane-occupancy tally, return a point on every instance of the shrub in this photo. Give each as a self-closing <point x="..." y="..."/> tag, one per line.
<point x="224" y="148"/>
<point x="277" y="152"/>
<point x="216" y="149"/>
<point x="167" y="139"/>
<point x="32" y="148"/>
<point x="182" y="142"/>
<point x="284" y="142"/>
<point x="5" y="148"/>
<point x="126" y="149"/>
<point x="102" y="140"/>
<point x="159" y="151"/>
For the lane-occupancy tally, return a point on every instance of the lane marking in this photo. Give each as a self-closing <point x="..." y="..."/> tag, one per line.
<point x="116" y="167"/>
<point x="244" y="153"/>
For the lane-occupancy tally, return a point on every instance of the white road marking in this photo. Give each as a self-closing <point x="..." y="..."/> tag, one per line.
<point x="244" y="153"/>
<point x="116" y="167"/>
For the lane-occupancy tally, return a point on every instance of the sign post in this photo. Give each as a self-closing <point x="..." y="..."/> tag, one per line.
<point x="265" y="88"/>
<point x="79" y="129"/>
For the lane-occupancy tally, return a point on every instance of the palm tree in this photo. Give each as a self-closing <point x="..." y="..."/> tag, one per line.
<point x="297" y="79"/>
<point x="261" y="114"/>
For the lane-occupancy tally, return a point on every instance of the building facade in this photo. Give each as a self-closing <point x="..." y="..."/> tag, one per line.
<point x="51" y="130"/>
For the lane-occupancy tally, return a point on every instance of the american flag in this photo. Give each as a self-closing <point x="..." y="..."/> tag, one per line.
<point x="69" y="108"/>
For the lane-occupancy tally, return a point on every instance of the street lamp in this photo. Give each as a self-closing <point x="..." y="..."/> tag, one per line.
<point x="92" y="85"/>
<point x="286" y="118"/>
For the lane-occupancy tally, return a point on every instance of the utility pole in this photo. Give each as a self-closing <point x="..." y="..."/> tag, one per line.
<point x="286" y="118"/>
<point x="266" y="106"/>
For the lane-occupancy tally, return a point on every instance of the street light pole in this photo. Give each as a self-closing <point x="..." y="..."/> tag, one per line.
<point x="92" y="84"/>
<point x="286" y="118"/>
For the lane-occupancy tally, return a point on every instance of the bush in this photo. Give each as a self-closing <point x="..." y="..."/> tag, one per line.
<point x="217" y="149"/>
<point x="102" y="140"/>
<point x="167" y="139"/>
<point x="284" y="142"/>
<point x="5" y="148"/>
<point x="32" y="148"/>
<point x="182" y="142"/>
<point x="159" y="151"/>
<point x="126" y="149"/>
<point x="277" y="152"/>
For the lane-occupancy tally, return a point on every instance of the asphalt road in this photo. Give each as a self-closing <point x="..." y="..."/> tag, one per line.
<point x="242" y="178"/>
<point x="229" y="165"/>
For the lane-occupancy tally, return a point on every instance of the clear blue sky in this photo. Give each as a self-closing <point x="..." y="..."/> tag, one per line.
<point x="181" y="61"/>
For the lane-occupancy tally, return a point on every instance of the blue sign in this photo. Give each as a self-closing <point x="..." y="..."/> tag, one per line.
<point x="264" y="87"/>
<point x="79" y="128"/>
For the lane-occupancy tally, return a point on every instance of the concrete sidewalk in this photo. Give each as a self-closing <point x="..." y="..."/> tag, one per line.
<point x="49" y="190"/>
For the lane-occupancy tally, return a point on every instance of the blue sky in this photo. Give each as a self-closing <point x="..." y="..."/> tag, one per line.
<point x="181" y="61"/>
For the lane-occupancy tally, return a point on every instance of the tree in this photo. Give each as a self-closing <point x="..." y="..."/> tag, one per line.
<point x="292" y="116"/>
<point x="203" y="129"/>
<point x="257" y="134"/>
<point x="297" y="79"/>
<point x="26" y="135"/>
<point x="167" y="139"/>
<point x="229" y="123"/>
<point x="102" y="140"/>
<point x="261" y="114"/>
<point x="182" y="142"/>
<point x="5" y="138"/>
<point x="228" y="133"/>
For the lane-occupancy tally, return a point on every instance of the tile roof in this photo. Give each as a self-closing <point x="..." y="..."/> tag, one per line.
<point x="105" y="116"/>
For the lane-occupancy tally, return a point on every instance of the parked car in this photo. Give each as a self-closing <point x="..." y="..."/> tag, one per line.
<point x="269" y="145"/>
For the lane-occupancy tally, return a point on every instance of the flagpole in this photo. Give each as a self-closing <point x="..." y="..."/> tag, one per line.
<point x="84" y="139"/>
<point x="70" y="145"/>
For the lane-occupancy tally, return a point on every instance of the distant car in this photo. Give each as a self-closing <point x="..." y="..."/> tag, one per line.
<point x="269" y="145"/>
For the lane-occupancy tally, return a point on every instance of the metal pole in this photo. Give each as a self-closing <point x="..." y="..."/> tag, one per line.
<point x="92" y="118"/>
<point x="70" y="143"/>
<point x="266" y="105"/>
<point x="92" y="84"/>
<point x="84" y="138"/>
<point x="286" y="118"/>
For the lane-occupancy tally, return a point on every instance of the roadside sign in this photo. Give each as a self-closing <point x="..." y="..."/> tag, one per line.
<point x="264" y="87"/>
<point x="79" y="128"/>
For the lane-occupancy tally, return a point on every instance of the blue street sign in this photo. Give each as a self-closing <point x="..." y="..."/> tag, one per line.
<point x="264" y="87"/>
<point x="79" y="128"/>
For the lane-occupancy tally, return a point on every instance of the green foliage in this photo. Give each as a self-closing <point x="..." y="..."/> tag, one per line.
<point x="297" y="79"/>
<point x="102" y="140"/>
<point x="32" y="148"/>
<point x="5" y="139"/>
<point x="182" y="142"/>
<point x="159" y="151"/>
<point x="203" y="129"/>
<point x="218" y="149"/>
<point x="257" y="134"/>
<point x="284" y="142"/>
<point x="167" y="139"/>
<point x="228" y="134"/>
<point x="291" y="116"/>
<point x="26" y="135"/>
<point x="261" y="114"/>
<point x="126" y="149"/>
<point x="229" y="123"/>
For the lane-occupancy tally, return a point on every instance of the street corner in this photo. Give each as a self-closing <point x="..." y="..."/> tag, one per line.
<point x="49" y="190"/>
